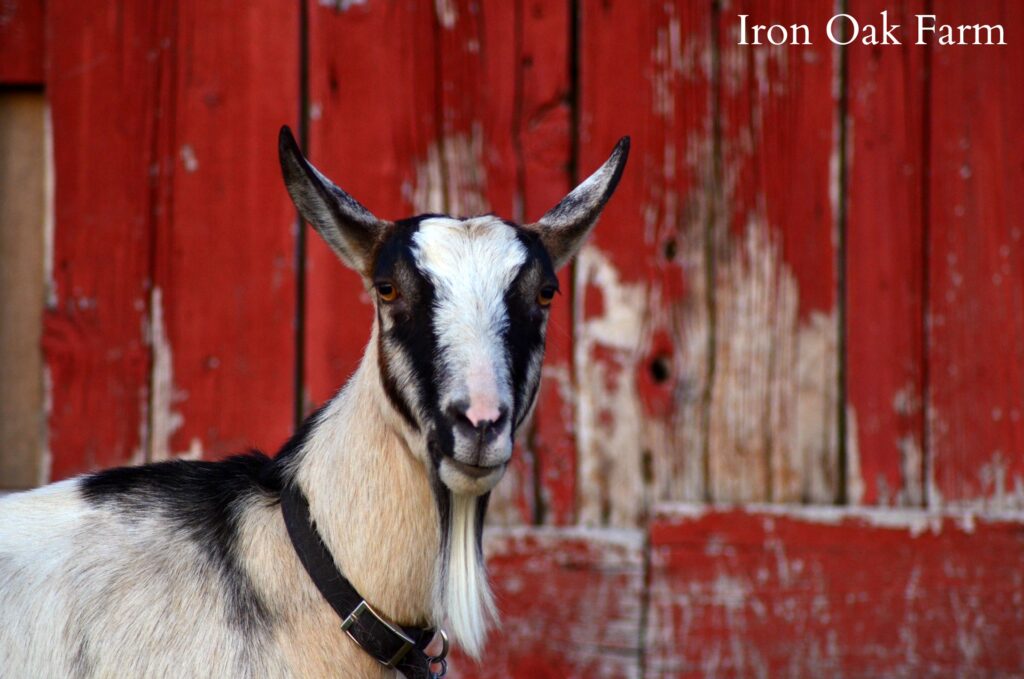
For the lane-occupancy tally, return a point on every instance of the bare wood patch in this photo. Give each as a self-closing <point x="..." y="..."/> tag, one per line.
<point x="22" y="288"/>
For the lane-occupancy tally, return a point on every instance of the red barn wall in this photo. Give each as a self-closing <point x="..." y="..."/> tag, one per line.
<point x="808" y="290"/>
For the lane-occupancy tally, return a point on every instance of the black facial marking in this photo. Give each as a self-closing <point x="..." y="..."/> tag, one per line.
<point x="524" y="333"/>
<point x="410" y="324"/>
<point x="204" y="500"/>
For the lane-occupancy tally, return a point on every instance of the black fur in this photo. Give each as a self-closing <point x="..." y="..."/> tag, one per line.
<point x="524" y="334"/>
<point x="203" y="500"/>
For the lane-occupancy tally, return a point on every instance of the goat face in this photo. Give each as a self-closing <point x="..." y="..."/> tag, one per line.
<point x="462" y="307"/>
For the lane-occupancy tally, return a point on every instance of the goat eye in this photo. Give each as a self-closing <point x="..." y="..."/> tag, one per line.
<point x="546" y="295"/>
<point x="387" y="291"/>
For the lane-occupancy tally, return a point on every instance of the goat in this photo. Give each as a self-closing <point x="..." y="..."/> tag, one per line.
<point x="185" y="569"/>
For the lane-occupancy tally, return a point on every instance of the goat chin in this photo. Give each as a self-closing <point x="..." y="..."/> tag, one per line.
<point x="471" y="486"/>
<point x="466" y="597"/>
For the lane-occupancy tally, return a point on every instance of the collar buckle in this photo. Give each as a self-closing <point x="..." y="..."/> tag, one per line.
<point x="365" y="618"/>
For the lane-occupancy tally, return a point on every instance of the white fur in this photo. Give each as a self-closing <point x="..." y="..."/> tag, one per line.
<point x="471" y="264"/>
<point x="468" y="600"/>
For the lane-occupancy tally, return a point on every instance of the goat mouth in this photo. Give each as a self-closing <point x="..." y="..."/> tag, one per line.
<point x="470" y="470"/>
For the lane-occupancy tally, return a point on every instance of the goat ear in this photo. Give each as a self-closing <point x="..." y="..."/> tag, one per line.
<point x="565" y="226"/>
<point x="349" y="228"/>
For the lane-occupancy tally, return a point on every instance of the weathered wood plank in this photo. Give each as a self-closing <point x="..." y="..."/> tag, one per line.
<point x="22" y="41"/>
<point x="23" y="214"/>
<point x="543" y="150"/>
<point x="642" y="325"/>
<point x="885" y="264"/>
<point x="102" y="97"/>
<point x="570" y="603"/>
<point x="773" y="420"/>
<point x="832" y="592"/>
<point x="223" y="304"/>
<point x="372" y="135"/>
<point x="976" y="266"/>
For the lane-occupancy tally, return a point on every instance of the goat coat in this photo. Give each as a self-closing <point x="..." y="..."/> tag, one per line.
<point x="185" y="569"/>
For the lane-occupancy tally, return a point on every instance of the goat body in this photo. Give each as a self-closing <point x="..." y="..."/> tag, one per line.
<point x="185" y="569"/>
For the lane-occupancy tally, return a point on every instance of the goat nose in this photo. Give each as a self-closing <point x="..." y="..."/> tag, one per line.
<point x="484" y="422"/>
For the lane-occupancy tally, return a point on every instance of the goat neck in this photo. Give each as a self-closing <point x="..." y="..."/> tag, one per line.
<point x="371" y="499"/>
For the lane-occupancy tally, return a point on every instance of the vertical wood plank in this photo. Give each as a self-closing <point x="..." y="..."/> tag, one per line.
<point x="22" y="42"/>
<point x="976" y="266"/>
<point x="102" y="99"/>
<point x="885" y="264"/>
<point x="543" y="145"/>
<point x="773" y="425"/>
<point x="641" y="314"/>
<point x="224" y="267"/>
<point x="23" y="206"/>
<point x="371" y="134"/>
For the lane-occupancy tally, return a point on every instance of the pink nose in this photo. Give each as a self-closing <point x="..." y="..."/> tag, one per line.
<point x="482" y="413"/>
<point x="477" y="421"/>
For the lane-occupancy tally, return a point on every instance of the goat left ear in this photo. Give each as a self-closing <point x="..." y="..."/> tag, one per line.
<point x="565" y="226"/>
<point x="349" y="228"/>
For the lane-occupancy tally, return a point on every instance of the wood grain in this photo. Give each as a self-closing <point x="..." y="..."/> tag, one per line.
<point x="22" y="42"/>
<point x="976" y="267"/>
<point x="773" y="424"/>
<point x="224" y="265"/>
<point x="833" y="592"/>
<point x="23" y="214"/>
<point x="103" y="99"/>
<point x="642" y="327"/>
<point x="372" y="120"/>
<point x="570" y="603"/>
<point x="885" y="264"/>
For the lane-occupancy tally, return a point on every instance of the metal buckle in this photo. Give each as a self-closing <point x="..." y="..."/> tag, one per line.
<point x="364" y="607"/>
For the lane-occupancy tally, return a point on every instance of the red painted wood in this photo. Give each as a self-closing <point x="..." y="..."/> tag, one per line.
<point x="885" y="264"/>
<point x="102" y="102"/>
<point x="543" y="145"/>
<point x="777" y="249"/>
<point x="22" y="42"/>
<point x="828" y="592"/>
<point x="225" y="249"/>
<point x="976" y="266"/>
<point x="570" y="605"/>
<point x="639" y="287"/>
<point x="372" y="110"/>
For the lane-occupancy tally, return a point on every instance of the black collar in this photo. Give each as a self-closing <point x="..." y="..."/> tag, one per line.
<point x="391" y="645"/>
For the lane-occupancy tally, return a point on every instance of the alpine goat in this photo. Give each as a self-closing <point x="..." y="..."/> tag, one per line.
<point x="186" y="569"/>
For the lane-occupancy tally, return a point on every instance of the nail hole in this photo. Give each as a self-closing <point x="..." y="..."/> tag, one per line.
<point x="660" y="369"/>
<point x="670" y="249"/>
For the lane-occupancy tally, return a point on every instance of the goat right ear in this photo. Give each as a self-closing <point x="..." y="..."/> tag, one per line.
<point x="349" y="228"/>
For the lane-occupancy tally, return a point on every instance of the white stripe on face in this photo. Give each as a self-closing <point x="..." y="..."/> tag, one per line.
<point x="471" y="264"/>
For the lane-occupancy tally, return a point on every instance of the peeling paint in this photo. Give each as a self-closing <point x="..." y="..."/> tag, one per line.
<point x="342" y="5"/>
<point x="773" y="413"/>
<point x="854" y="477"/>
<point x="608" y="415"/>
<point x="914" y="521"/>
<point x="188" y="158"/>
<point x="164" y="420"/>
<point x="451" y="179"/>
<point x="447" y="13"/>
